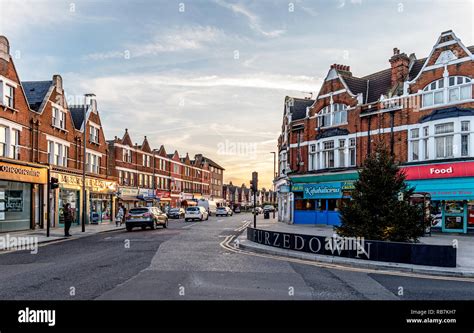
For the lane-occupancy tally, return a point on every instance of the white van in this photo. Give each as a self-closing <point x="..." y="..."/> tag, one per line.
<point x="210" y="205"/>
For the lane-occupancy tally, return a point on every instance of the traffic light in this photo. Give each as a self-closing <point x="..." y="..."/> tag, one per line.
<point x="54" y="183"/>
<point x="254" y="181"/>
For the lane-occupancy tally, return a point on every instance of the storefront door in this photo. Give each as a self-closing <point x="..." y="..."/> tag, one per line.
<point x="71" y="197"/>
<point x="455" y="216"/>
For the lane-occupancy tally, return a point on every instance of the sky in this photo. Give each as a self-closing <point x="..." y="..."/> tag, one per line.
<point x="211" y="76"/>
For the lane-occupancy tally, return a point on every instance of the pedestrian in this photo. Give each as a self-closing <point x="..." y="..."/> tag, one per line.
<point x="68" y="218"/>
<point x="120" y="215"/>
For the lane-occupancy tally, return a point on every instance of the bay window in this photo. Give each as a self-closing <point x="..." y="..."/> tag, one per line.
<point x="93" y="163"/>
<point x="444" y="140"/>
<point x="352" y="152"/>
<point x="342" y="155"/>
<point x="312" y="158"/>
<point x="328" y="154"/>
<point x="415" y="144"/>
<point x="464" y="138"/>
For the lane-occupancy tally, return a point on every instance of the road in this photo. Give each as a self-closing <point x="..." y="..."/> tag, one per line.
<point x="186" y="262"/>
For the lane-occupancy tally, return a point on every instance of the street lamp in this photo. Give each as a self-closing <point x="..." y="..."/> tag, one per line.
<point x="87" y="97"/>
<point x="274" y="176"/>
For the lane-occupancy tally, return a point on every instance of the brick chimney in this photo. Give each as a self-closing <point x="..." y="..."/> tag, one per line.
<point x="342" y="69"/>
<point x="400" y="64"/>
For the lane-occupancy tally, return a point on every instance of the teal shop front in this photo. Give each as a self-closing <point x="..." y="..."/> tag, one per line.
<point x="319" y="203"/>
<point x="452" y="202"/>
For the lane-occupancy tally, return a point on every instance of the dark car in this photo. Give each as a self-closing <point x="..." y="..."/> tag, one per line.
<point x="176" y="213"/>
<point x="145" y="217"/>
<point x="237" y="210"/>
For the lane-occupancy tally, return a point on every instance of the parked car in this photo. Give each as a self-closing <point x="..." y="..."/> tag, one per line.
<point x="145" y="217"/>
<point x="237" y="210"/>
<point x="176" y="213"/>
<point x="269" y="208"/>
<point x="224" y="211"/>
<point x="259" y="210"/>
<point x="196" y="213"/>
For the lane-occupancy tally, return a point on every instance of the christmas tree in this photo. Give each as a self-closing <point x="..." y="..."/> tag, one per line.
<point x="380" y="208"/>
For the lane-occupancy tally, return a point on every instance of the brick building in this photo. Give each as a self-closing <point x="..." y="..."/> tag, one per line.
<point x="41" y="136"/>
<point x="421" y="109"/>
<point x="149" y="176"/>
<point x="217" y="178"/>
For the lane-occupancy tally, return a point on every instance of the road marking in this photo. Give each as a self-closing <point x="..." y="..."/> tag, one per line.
<point x="189" y="226"/>
<point x="226" y="245"/>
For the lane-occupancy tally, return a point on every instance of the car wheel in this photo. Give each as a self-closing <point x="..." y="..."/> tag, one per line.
<point x="129" y="228"/>
<point x="187" y="220"/>
<point x="166" y="224"/>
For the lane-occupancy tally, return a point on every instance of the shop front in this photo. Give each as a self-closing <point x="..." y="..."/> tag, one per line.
<point x="285" y="202"/>
<point x="319" y="201"/>
<point x="148" y="197"/>
<point x="22" y="189"/>
<point x="451" y="187"/>
<point x="128" y="197"/>
<point x="164" y="200"/>
<point x="100" y="196"/>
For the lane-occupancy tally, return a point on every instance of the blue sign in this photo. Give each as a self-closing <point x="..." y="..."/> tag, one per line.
<point x="323" y="191"/>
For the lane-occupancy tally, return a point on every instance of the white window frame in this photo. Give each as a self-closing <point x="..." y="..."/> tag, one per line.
<point x="443" y="87"/>
<point x="330" y="113"/>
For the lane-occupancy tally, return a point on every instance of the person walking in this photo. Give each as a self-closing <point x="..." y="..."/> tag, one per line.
<point x="68" y="218"/>
<point x="120" y="215"/>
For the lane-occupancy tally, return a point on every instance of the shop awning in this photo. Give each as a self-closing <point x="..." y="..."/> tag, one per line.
<point x="128" y="198"/>
<point x="446" y="189"/>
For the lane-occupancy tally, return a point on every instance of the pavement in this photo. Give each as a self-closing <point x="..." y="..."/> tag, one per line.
<point x="465" y="251"/>
<point x="38" y="236"/>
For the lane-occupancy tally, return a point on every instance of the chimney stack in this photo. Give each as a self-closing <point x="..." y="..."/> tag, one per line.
<point x="4" y="54"/>
<point x="400" y="64"/>
<point x="91" y="100"/>
<point x="343" y="69"/>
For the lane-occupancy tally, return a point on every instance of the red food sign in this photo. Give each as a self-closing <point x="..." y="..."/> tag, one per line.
<point x="445" y="170"/>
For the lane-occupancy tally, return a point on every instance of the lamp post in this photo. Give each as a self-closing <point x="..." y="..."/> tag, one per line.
<point x="84" y="152"/>
<point x="274" y="176"/>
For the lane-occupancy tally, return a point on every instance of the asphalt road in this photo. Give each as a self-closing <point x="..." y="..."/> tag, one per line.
<point x="185" y="262"/>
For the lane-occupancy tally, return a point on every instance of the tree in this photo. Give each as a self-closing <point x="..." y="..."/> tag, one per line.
<point x="380" y="208"/>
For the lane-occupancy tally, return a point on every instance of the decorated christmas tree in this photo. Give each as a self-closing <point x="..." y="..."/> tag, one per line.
<point x="380" y="208"/>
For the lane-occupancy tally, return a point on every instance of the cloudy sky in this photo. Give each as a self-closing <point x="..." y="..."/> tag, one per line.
<point x="210" y="76"/>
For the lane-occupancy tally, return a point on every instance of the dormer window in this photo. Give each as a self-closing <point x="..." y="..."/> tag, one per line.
<point x="332" y="115"/>
<point x="447" y="90"/>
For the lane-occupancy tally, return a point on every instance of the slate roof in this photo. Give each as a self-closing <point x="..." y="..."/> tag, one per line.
<point x="379" y="83"/>
<point x="447" y="113"/>
<point x="77" y="113"/>
<point x="298" y="110"/>
<point x="36" y="92"/>
<point x="210" y="162"/>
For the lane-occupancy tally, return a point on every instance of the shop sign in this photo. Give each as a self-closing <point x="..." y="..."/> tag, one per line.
<point x="93" y="184"/>
<point x="146" y="193"/>
<point x="445" y="170"/>
<point x="132" y="192"/>
<point x="297" y="188"/>
<point x="322" y="190"/>
<point x="284" y="189"/>
<point x="348" y="186"/>
<point x="162" y="194"/>
<point x="23" y="173"/>
<point x="186" y="196"/>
